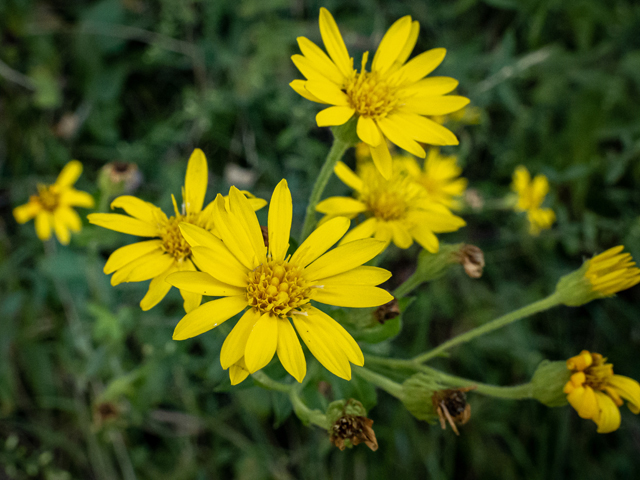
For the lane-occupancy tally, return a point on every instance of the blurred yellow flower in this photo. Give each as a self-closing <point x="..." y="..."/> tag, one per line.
<point x="168" y="252"/>
<point x="390" y="101"/>
<point x="276" y="287"/>
<point x="398" y="209"/>
<point x="51" y="207"/>
<point x="596" y="393"/>
<point x="531" y="194"/>
<point x="612" y="271"/>
<point x="440" y="177"/>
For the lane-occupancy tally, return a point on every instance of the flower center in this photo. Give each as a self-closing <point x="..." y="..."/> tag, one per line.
<point x="386" y="205"/>
<point x="599" y="373"/>
<point x="172" y="240"/>
<point x="370" y="95"/>
<point x="48" y="196"/>
<point x="277" y="287"/>
<point x="388" y="200"/>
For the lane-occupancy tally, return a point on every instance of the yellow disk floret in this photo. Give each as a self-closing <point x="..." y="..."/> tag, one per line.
<point x="277" y="287"/>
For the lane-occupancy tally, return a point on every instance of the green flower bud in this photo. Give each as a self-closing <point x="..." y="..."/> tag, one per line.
<point x="548" y="382"/>
<point x="575" y="289"/>
<point x="417" y="394"/>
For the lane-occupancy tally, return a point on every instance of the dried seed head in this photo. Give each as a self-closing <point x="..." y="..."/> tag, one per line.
<point x="472" y="259"/>
<point x="387" y="311"/>
<point x="452" y="407"/>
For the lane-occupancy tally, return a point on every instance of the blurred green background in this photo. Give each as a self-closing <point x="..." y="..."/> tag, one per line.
<point x="91" y="387"/>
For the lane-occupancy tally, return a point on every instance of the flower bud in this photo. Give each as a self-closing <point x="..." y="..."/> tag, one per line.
<point x="116" y="178"/>
<point x="417" y="394"/>
<point x="472" y="259"/>
<point x="432" y="266"/>
<point x="548" y="382"/>
<point x="350" y="425"/>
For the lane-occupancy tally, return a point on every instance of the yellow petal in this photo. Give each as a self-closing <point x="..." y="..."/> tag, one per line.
<point x="629" y="389"/>
<point x="279" y="225"/>
<point x="155" y="263"/>
<point x="319" y="241"/>
<point x="353" y="296"/>
<point x="69" y="174"/>
<point x="348" y="176"/>
<point x="122" y="273"/>
<point x="421" y="65"/>
<point x="290" y="351"/>
<point x="322" y="345"/>
<point x="382" y="160"/>
<point x="334" y="43"/>
<point x="341" y="338"/>
<point x="130" y="253"/>
<point x="191" y="300"/>
<point x="136" y="208"/>
<point x="44" y="224"/>
<point x="328" y="92"/>
<point x="436" y="221"/>
<point x="221" y="265"/>
<point x="436" y="105"/>
<point x="208" y="316"/>
<point x="346" y="206"/>
<point x="235" y="344"/>
<point x="203" y="284"/>
<point x="301" y="89"/>
<point x="426" y="238"/>
<point x="69" y="218"/>
<point x="584" y="401"/>
<point x="422" y="129"/>
<point x="313" y="71"/>
<point x="409" y="44"/>
<point x="262" y="343"/>
<point x="195" y="182"/>
<point x="343" y="258"/>
<point x="608" y="418"/>
<point x="334" y="116"/>
<point x="397" y="135"/>
<point x="365" y="230"/>
<point x="364" y="275"/>
<point x="123" y="224"/>
<point x="429" y="87"/>
<point x="247" y="219"/>
<point x="238" y="372"/>
<point x="26" y="212"/>
<point x="198" y="236"/>
<point x="317" y="57"/>
<point x="62" y="232"/>
<point x="158" y="289"/>
<point x="401" y="237"/>
<point x="233" y="235"/>
<point x="76" y="198"/>
<point x="369" y="132"/>
<point x="392" y="45"/>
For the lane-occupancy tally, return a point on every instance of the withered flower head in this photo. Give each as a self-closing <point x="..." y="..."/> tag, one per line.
<point x="350" y="426"/>
<point x="105" y="412"/>
<point x="472" y="259"/>
<point x="451" y="406"/>
<point x="118" y="177"/>
<point x="388" y="311"/>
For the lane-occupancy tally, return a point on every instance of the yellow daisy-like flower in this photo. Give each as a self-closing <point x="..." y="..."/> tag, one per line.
<point x="168" y="252"/>
<point x="398" y="209"/>
<point x="612" y="271"/>
<point x="390" y="101"/>
<point x="440" y="177"/>
<point x="51" y="207"/>
<point x="531" y="194"/>
<point x="275" y="288"/>
<point x="596" y="393"/>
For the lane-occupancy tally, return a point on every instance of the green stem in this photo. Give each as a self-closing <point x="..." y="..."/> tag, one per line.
<point x="413" y="282"/>
<point x="268" y="383"/>
<point x="380" y="381"/>
<point x="305" y="414"/>
<point x="539" y="306"/>
<point x="337" y="151"/>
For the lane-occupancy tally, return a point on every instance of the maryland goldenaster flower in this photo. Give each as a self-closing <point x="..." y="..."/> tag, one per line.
<point x="275" y="287"/>
<point x="390" y="101"/>
<point x="440" y="177"/>
<point x="51" y="207"/>
<point x="596" y="393"/>
<point x="398" y="209"/>
<point x="168" y="252"/>
<point x="530" y="197"/>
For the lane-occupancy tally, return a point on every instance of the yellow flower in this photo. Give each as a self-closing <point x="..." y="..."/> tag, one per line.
<point x="439" y="177"/>
<point x="596" y="393"/>
<point x="612" y="271"/>
<point x="168" y="252"/>
<point x="530" y="197"/>
<point x="398" y="209"/>
<point x="390" y="101"/>
<point x="52" y="206"/>
<point x="275" y="288"/>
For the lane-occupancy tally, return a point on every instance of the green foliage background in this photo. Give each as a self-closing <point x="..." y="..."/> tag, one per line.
<point x="558" y="83"/>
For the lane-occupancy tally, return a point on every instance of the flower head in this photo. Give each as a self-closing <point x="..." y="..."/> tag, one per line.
<point x="440" y="177"/>
<point x="276" y="289"/>
<point x="390" y="100"/>
<point x="51" y="207"/>
<point x="168" y="251"/>
<point x="596" y="393"/>
<point x="397" y="208"/>
<point x="530" y="197"/>
<point x="602" y="276"/>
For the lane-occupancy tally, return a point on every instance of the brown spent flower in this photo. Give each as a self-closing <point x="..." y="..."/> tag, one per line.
<point x="451" y="406"/>
<point x="387" y="311"/>
<point x="472" y="259"/>
<point x="354" y="429"/>
<point x="119" y="177"/>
